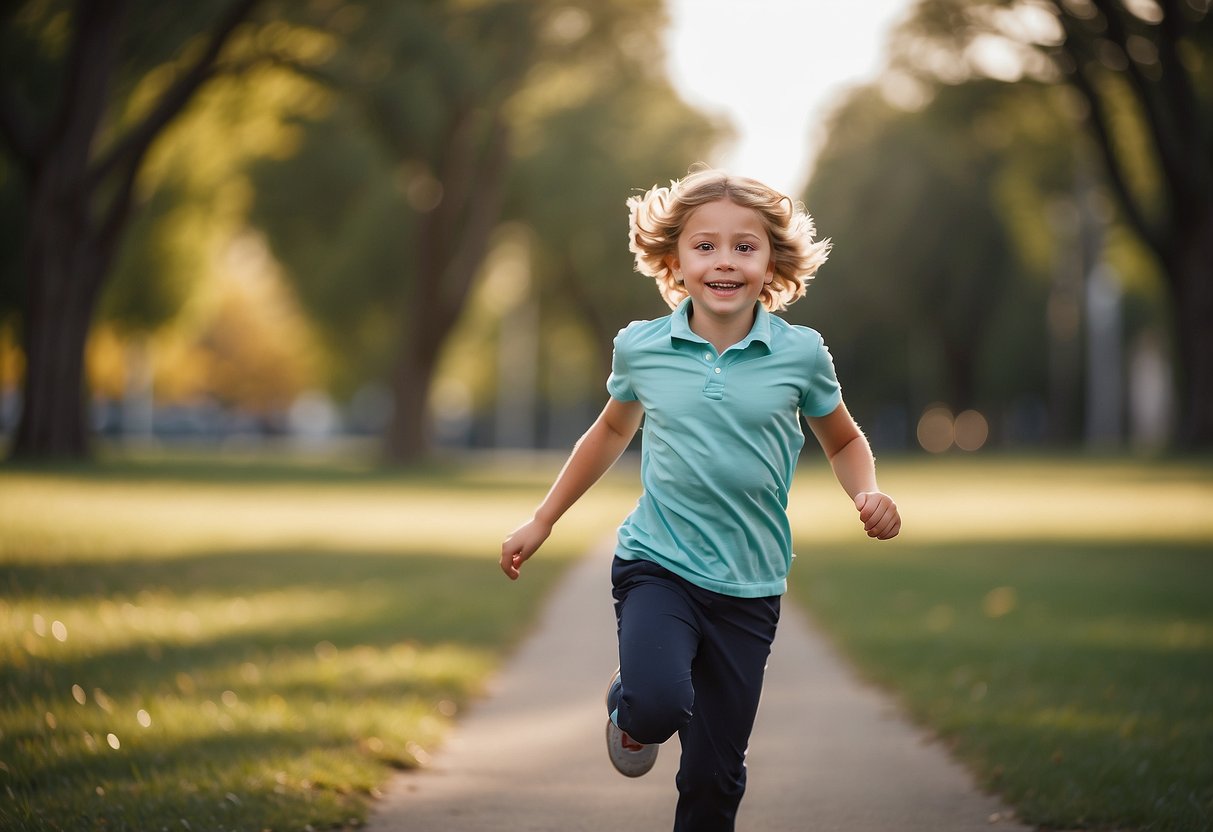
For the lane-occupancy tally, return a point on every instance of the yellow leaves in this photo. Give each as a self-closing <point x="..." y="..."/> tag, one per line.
<point x="242" y="337"/>
<point x="307" y="46"/>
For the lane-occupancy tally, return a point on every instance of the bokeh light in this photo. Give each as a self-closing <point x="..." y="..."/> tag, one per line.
<point x="935" y="429"/>
<point x="971" y="430"/>
<point x="939" y="430"/>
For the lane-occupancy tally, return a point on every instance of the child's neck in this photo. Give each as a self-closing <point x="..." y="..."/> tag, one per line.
<point x="721" y="333"/>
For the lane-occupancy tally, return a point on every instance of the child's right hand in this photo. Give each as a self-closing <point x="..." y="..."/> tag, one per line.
<point x="521" y="544"/>
<point x="879" y="514"/>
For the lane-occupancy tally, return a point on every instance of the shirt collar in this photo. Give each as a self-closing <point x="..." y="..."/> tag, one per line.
<point x="680" y="327"/>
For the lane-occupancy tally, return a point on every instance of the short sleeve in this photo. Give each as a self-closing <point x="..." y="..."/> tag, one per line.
<point x="823" y="392"/>
<point x="619" y="384"/>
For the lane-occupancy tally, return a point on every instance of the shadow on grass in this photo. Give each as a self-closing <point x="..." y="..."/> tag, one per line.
<point x="249" y="686"/>
<point x="325" y="665"/>
<point x="342" y="599"/>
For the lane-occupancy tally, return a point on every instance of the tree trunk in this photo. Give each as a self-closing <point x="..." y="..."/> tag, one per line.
<point x="456" y="235"/>
<point x="408" y="437"/>
<point x="63" y="271"/>
<point x="78" y="208"/>
<point x="1192" y="281"/>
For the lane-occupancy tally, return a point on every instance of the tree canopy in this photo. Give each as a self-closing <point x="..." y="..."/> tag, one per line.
<point x="1143" y="89"/>
<point x="453" y="119"/>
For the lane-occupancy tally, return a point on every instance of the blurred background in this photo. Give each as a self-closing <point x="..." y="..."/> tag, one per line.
<point x="403" y="224"/>
<point x="297" y="295"/>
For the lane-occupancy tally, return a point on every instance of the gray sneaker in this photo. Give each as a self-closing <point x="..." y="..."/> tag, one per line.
<point x="630" y="758"/>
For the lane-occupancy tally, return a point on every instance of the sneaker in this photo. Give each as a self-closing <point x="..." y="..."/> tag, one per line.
<point x="630" y="758"/>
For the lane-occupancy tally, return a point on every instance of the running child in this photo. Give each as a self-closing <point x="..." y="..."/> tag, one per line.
<point x="721" y="386"/>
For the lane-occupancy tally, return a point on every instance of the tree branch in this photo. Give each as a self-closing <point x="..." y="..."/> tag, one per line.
<point x="131" y="148"/>
<point x="1103" y="139"/>
<point x="114" y="219"/>
<point x="1163" y="114"/>
<point x="484" y="210"/>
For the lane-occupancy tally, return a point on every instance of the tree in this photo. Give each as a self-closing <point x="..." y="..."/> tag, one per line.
<point x="572" y="183"/>
<point x="410" y="172"/>
<point x="925" y="265"/>
<point x="1144" y="75"/>
<point x="76" y="148"/>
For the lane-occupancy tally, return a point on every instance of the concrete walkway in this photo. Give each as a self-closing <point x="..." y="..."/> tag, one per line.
<point x="828" y="752"/>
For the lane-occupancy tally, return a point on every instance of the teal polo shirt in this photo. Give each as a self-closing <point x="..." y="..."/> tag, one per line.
<point x="722" y="433"/>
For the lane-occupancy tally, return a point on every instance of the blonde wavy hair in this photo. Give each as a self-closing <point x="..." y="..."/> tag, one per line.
<point x="656" y="220"/>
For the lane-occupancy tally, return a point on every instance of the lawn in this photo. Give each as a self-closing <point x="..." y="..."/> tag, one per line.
<point x="220" y="644"/>
<point x="210" y="645"/>
<point x="1051" y="621"/>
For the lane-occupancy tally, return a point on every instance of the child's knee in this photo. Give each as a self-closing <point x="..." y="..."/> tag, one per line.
<point x="655" y="715"/>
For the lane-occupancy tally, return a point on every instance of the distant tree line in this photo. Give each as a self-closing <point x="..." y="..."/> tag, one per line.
<point x="381" y="149"/>
<point x="443" y="120"/>
<point x="1012" y="147"/>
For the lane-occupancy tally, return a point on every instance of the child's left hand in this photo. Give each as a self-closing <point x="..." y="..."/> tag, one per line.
<point x="878" y="513"/>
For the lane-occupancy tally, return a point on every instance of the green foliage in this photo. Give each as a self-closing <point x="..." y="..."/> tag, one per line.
<point x="346" y="237"/>
<point x="146" y="289"/>
<point x="926" y="263"/>
<point x="419" y="85"/>
<point x="586" y="119"/>
<point x="1138" y="82"/>
<point x="34" y="43"/>
<point x="572" y="183"/>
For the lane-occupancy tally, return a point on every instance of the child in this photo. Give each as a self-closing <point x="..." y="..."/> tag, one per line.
<point x="702" y="561"/>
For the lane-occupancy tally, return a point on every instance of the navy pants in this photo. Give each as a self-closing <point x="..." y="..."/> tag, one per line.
<point x="692" y="662"/>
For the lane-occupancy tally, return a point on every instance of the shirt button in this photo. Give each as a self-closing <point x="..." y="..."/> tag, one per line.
<point x="717" y="371"/>
<point x="707" y="356"/>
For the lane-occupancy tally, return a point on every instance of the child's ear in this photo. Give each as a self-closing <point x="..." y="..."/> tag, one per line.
<point x="671" y="262"/>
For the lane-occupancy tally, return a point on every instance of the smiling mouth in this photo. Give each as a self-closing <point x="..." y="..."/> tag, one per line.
<point x="723" y="287"/>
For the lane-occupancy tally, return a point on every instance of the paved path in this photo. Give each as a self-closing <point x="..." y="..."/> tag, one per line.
<point x="828" y="752"/>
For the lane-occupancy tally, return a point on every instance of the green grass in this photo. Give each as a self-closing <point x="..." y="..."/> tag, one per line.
<point x="1052" y="622"/>
<point x="207" y="645"/>
<point x="265" y="640"/>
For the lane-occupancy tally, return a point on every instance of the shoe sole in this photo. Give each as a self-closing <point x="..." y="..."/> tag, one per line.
<point x="627" y="762"/>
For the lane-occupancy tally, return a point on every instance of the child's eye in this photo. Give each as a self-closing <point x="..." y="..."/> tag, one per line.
<point x="703" y="247"/>
<point x="745" y="247"/>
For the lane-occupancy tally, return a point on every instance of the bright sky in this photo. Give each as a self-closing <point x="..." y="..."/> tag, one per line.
<point x="773" y="67"/>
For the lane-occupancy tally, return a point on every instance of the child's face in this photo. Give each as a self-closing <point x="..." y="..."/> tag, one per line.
<point x="724" y="259"/>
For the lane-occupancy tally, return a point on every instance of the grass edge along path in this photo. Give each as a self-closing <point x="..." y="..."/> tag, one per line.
<point x="1063" y="652"/>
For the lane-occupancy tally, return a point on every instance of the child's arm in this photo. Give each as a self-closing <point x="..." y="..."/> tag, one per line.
<point x="851" y="458"/>
<point x="592" y="456"/>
